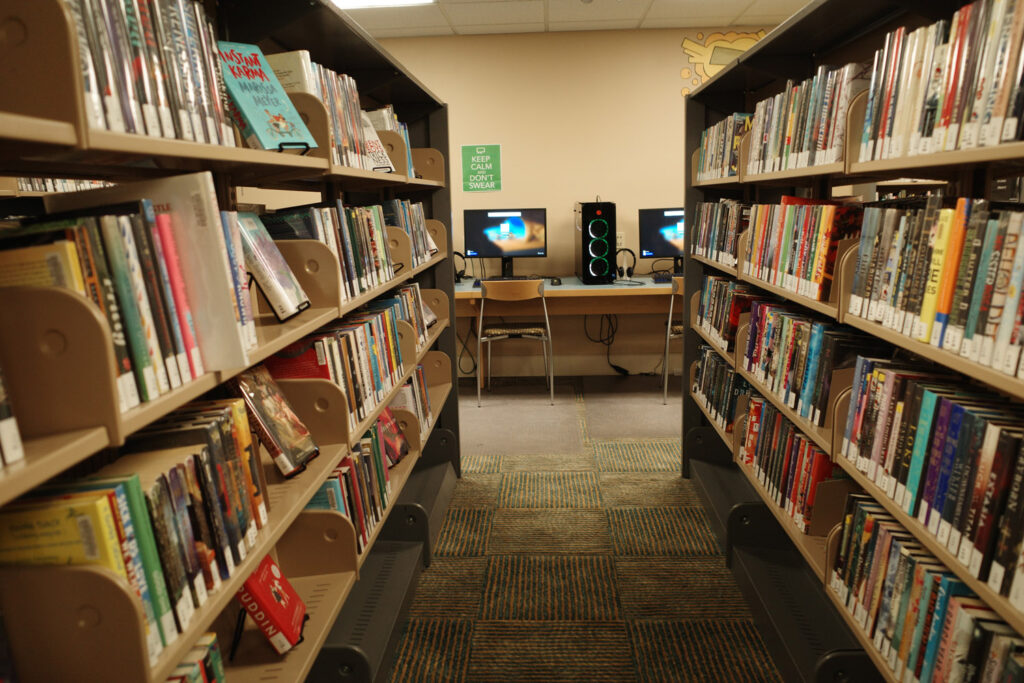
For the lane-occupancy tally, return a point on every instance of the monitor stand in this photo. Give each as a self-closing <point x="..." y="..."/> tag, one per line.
<point x="677" y="264"/>
<point x="506" y="266"/>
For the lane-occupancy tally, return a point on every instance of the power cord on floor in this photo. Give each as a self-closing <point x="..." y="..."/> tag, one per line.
<point x="471" y="332"/>
<point x="607" y="330"/>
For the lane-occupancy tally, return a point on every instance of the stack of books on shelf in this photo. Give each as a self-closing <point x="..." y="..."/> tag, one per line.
<point x="805" y="124"/>
<point x="174" y="511"/>
<point x="793" y="356"/>
<point x="360" y="353"/>
<point x="360" y="487"/>
<point x="719" y="152"/>
<point x="356" y="143"/>
<point x="948" y="456"/>
<point x="151" y="68"/>
<point x="717" y="386"/>
<point x="415" y="397"/>
<point x="924" y="622"/>
<point x="356" y="235"/>
<point x="717" y="228"/>
<point x="788" y="465"/>
<point x="174" y="291"/>
<point x="409" y="216"/>
<point x="955" y="84"/>
<point x="386" y="119"/>
<point x="203" y="663"/>
<point x="58" y="184"/>
<point x="722" y="301"/>
<point x="945" y="273"/>
<point x="794" y="244"/>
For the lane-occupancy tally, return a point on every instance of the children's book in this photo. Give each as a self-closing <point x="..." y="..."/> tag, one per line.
<point x="259" y="105"/>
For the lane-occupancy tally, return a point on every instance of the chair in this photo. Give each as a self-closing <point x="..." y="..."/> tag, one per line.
<point x="672" y="331"/>
<point x="514" y="290"/>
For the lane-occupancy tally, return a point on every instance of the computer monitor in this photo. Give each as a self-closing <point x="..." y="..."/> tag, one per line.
<point x="661" y="235"/>
<point x="505" y="234"/>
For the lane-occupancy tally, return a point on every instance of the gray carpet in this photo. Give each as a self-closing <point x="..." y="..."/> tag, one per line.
<point x="574" y="551"/>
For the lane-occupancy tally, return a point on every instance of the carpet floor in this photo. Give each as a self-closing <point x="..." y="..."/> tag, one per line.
<point x="588" y="561"/>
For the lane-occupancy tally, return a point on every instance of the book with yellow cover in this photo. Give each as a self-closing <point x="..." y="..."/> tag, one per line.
<point x="79" y="530"/>
<point x="942" y="229"/>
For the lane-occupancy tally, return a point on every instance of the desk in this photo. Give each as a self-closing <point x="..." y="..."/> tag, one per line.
<point x="572" y="297"/>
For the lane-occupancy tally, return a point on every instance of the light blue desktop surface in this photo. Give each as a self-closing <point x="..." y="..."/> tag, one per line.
<point x="572" y="284"/>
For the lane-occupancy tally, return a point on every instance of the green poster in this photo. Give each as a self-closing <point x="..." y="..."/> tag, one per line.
<point x="481" y="168"/>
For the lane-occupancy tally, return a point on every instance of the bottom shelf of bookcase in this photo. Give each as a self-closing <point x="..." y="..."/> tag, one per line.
<point x="867" y="645"/>
<point x="799" y="624"/>
<point x="720" y="486"/>
<point x="323" y="594"/>
<point x="362" y="640"/>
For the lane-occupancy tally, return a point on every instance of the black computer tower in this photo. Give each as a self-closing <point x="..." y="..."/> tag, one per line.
<point x="595" y="242"/>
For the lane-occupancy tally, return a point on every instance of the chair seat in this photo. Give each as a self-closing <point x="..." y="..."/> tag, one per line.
<point x="524" y="329"/>
<point x="677" y="329"/>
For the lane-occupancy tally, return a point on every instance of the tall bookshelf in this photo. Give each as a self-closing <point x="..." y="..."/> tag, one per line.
<point x="62" y="383"/>
<point x="774" y="562"/>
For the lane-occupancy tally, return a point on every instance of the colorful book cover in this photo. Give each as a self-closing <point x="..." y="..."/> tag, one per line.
<point x="260" y="107"/>
<point x="266" y="264"/>
<point x="272" y="603"/>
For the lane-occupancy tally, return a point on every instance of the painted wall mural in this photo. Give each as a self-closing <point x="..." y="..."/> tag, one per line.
<point x="711" y="52"/>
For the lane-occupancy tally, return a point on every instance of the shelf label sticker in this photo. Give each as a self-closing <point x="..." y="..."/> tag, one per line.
<point x="481" y="168"/>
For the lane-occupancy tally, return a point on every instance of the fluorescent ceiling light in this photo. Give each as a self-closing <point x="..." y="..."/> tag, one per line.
<point x="364" y="4"/>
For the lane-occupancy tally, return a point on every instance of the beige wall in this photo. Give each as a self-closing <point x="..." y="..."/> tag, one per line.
<point x="577" y="114"/>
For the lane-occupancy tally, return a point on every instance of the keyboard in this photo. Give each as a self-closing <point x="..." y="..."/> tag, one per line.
<point x="661" y="278"/>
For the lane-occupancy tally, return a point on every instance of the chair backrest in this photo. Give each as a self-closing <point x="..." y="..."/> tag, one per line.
<point x="512" y="290"/>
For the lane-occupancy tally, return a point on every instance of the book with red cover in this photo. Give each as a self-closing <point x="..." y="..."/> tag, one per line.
<point x="302" y="359"/>
<point x="272" y="603"/>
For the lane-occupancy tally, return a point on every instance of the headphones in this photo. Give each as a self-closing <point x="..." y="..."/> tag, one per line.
<point x="625" y="272"/>
<point x="459" y="274"/>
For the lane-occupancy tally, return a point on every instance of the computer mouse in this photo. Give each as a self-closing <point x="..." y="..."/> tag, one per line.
<point x="476" y="283"/>
<point x="555" y="281"/>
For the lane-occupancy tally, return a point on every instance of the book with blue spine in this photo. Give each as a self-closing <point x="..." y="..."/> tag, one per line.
<point x="260" y="107"/>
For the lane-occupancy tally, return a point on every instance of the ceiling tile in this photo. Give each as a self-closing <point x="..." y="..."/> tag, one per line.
<point x="479" y="13"/>
<point x="596" y="10"/>
<point x="765" y="7"/>
<point x="760" y="19"/>
<point x="412" y="31"/>
<point x="673" y="9"/>
<point x="388" y="17"/>
<point x="531" y="27"/>
<point x="688" y="22"/>
<point x="592" y="25"/>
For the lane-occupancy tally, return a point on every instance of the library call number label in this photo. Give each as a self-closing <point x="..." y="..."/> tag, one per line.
<point x="481" y="168"/>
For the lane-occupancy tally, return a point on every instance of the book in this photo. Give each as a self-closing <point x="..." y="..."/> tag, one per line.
<point x="273" y="421"/>
<point x="11" y="448"/>
<point x="273" y="605"/>
<point x="263" y="260"/>
<point x="260" y="108"/>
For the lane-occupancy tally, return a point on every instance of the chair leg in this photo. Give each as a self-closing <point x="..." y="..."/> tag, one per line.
<point x="544" y="352"/>
<point x="489" y="367"/>
<point x="664" y="373"/>
<point x="551" y="370"/>
<point x="479" y="345"/>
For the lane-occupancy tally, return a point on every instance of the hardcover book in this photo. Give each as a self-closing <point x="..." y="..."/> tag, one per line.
<point x="274" y="422"/>
<point x="260" y="107"/>
<point x="272" y="603"/>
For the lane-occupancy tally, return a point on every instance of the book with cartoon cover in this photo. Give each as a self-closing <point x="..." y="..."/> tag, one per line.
<point x="274" y="421"/>
<point x="258" y="104"/>
<point x="263" y="260"/>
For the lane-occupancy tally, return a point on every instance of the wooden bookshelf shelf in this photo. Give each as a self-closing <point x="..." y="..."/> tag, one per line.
<point x="718" y="182"/>
<point x="1008" y="154"/>
<point x="358" y="178"/>
<point x="141" y="415"/>
<point x="48" y="456"/>
<point x="823" y="307"/>
<point x="810" y="173"/>
<point x="255" y="660"/>
<point x="999" y="381"/>
<point x="858" y="632"/>
<point x="273" y="336"/>
<point x="726" y="437"/>
<point x="728" y="270"/>
<point x="34" y="130"/>
<point x="997" y="602"/>
<point x="812" y="548"/>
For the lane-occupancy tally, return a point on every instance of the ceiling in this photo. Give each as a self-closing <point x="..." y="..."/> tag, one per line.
<point x="467" y="17"/>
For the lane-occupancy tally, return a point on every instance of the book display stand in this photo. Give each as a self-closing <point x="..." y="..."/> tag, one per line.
<point x="57" y="353"/>
<point x="773" y="565"/>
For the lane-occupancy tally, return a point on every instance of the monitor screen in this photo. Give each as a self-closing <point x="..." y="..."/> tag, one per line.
<point x="661" y="233"/>
<point x="503" y="233"/>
